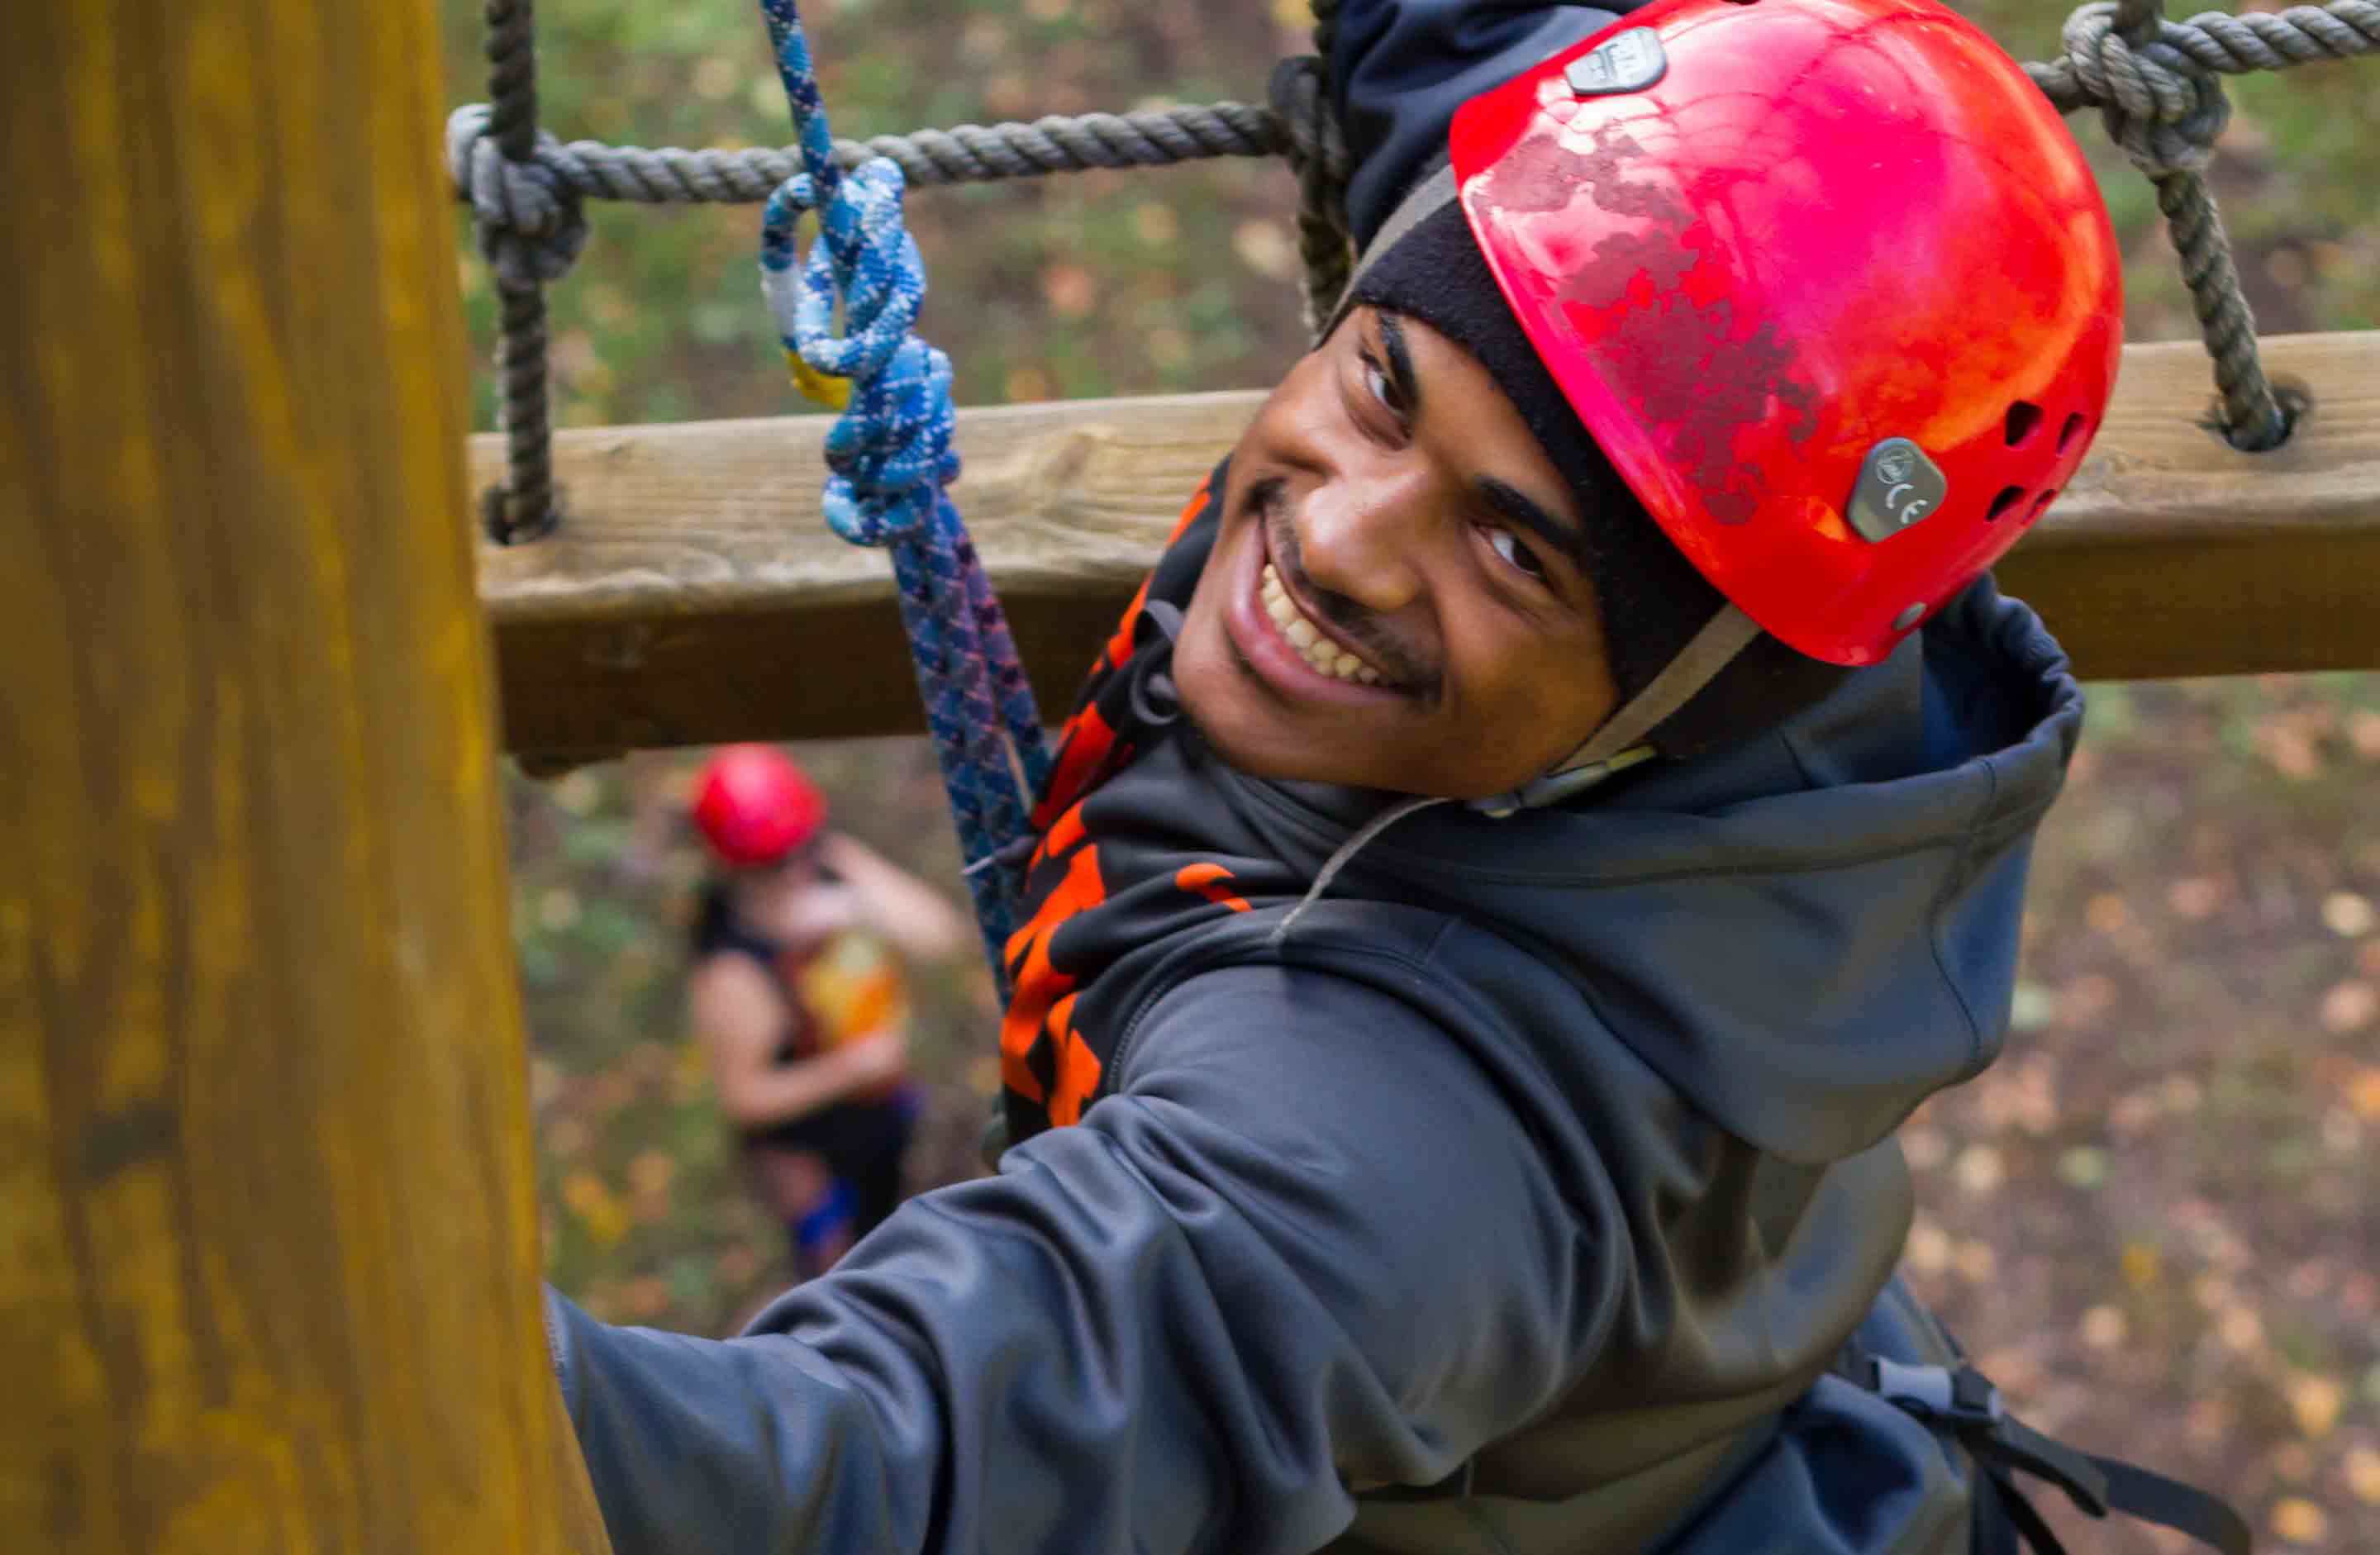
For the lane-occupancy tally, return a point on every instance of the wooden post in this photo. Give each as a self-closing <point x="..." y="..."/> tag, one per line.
<point x="268" y="1244"/>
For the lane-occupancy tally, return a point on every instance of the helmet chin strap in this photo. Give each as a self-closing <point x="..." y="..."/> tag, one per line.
<point x="1619" y="743"/>
<point x="1616" y="747"/>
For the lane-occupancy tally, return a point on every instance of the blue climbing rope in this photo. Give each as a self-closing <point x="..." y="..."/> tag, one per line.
<point x="891" y="457"/>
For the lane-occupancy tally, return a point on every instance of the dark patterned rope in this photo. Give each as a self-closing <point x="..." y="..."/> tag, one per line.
<point x="844" y="312"/>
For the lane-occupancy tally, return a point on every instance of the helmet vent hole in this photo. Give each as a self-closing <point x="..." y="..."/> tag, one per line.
<point x="2070" y="431"/>
<point x="2024" y="421"/>
<point x="2040" y="504"/>
<point x="2009" y="496"/>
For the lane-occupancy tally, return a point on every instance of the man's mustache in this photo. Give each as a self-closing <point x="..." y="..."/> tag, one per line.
<point x="1269" y="499"/>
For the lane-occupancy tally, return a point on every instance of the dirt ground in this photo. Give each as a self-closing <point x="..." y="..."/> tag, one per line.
<point x="2154" y="1220"/>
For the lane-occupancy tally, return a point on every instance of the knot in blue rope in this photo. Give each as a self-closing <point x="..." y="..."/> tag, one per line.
<point x="890" y="451"/>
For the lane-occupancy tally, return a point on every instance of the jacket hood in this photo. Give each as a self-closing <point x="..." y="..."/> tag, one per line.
<point x="1806" y="933"/>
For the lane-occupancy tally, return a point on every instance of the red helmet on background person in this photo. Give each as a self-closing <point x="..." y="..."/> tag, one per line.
<point x="1827" y="281"/>
<point x="755" y="806"/>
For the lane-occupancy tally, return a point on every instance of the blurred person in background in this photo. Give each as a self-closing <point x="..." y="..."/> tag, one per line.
<point x="796" y="996"/>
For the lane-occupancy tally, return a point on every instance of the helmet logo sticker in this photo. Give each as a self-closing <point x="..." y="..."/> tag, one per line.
<point x="1630" y="61"/>
<point x="1898" y="486"/>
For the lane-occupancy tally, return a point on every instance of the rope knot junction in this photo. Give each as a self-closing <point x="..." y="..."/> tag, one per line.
<point x="2161" y="104"/>
<point x="529" y="223"/>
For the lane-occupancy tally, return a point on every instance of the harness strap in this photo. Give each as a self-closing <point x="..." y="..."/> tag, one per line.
<point x="1963" y="1400"/>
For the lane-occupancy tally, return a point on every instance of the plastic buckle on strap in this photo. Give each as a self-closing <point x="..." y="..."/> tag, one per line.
<point x="1966" y="1400"/>
<point x="1964" y="1397"/>
<point x="2000" y="1443"/>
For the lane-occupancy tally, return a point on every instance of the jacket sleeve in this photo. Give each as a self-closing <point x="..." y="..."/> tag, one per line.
<point x="1398" y="69"/>
<point x="1306" y="1238"/>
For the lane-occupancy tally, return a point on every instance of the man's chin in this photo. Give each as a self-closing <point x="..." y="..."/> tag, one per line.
<point x="1267" y="759"/>
<point x="1239" y="722"/>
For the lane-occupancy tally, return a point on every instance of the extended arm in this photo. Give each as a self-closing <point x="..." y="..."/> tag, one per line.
<point x="1309" y="1239"/>
<point x="919" y="919"/>
<point x="741" y="1016"/>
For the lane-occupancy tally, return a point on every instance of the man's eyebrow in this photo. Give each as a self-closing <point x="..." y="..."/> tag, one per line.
<point x="1512" y="504"/>
<point x="1506" y="498"/>
<point x="1393" y="340"/>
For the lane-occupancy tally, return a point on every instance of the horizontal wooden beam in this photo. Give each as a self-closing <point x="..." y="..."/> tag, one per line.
<point x="694" y="595"/>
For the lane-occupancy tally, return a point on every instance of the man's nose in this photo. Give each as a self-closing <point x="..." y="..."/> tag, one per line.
<point x="1359" y="533"/>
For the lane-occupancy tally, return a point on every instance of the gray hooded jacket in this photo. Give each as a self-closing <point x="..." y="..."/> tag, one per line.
<point x="1543" y="1165"/>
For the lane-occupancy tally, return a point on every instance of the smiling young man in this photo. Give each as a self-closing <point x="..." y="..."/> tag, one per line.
<point x="1400" y="596"/>
<point x="1561" y="800"/>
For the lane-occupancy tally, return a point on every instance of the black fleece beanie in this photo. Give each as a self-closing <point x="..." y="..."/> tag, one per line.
<point x="1652" y="600"/>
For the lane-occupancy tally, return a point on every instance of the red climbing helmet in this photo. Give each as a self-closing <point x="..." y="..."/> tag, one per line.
<point x="1828" y="281"/>
<point x="755" y="806"/>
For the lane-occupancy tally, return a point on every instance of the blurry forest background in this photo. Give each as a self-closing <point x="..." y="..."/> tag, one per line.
<point x="2154" y="1220"/>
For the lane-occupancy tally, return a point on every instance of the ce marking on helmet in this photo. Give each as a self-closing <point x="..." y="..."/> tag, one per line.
<point x="1630" y="61"/>
<point x="1898" y="485"/>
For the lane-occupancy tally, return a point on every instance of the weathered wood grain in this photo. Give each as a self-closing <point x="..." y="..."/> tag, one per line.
<point x="268" y="1242"/>
<point x="694" y="595"/>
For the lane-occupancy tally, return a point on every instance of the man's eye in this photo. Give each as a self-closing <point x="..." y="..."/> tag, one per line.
<point x="1382" y="387"/>
<point x="1508" y="545"/>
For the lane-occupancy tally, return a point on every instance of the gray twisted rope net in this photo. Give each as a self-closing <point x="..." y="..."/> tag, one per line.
<point x="2229" y="46"/>
<point x="968" y="153"/>
<point x="2156" y="82"/>
<point x="529" y="236"/>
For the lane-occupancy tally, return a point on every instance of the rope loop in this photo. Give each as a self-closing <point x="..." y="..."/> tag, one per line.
<point x="2161" y="104"/>
<point x="530" y="222"/>
<point x="890" y="450"/>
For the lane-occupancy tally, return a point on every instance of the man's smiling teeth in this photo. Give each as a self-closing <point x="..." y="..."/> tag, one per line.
<point x="1325" y="655"/>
